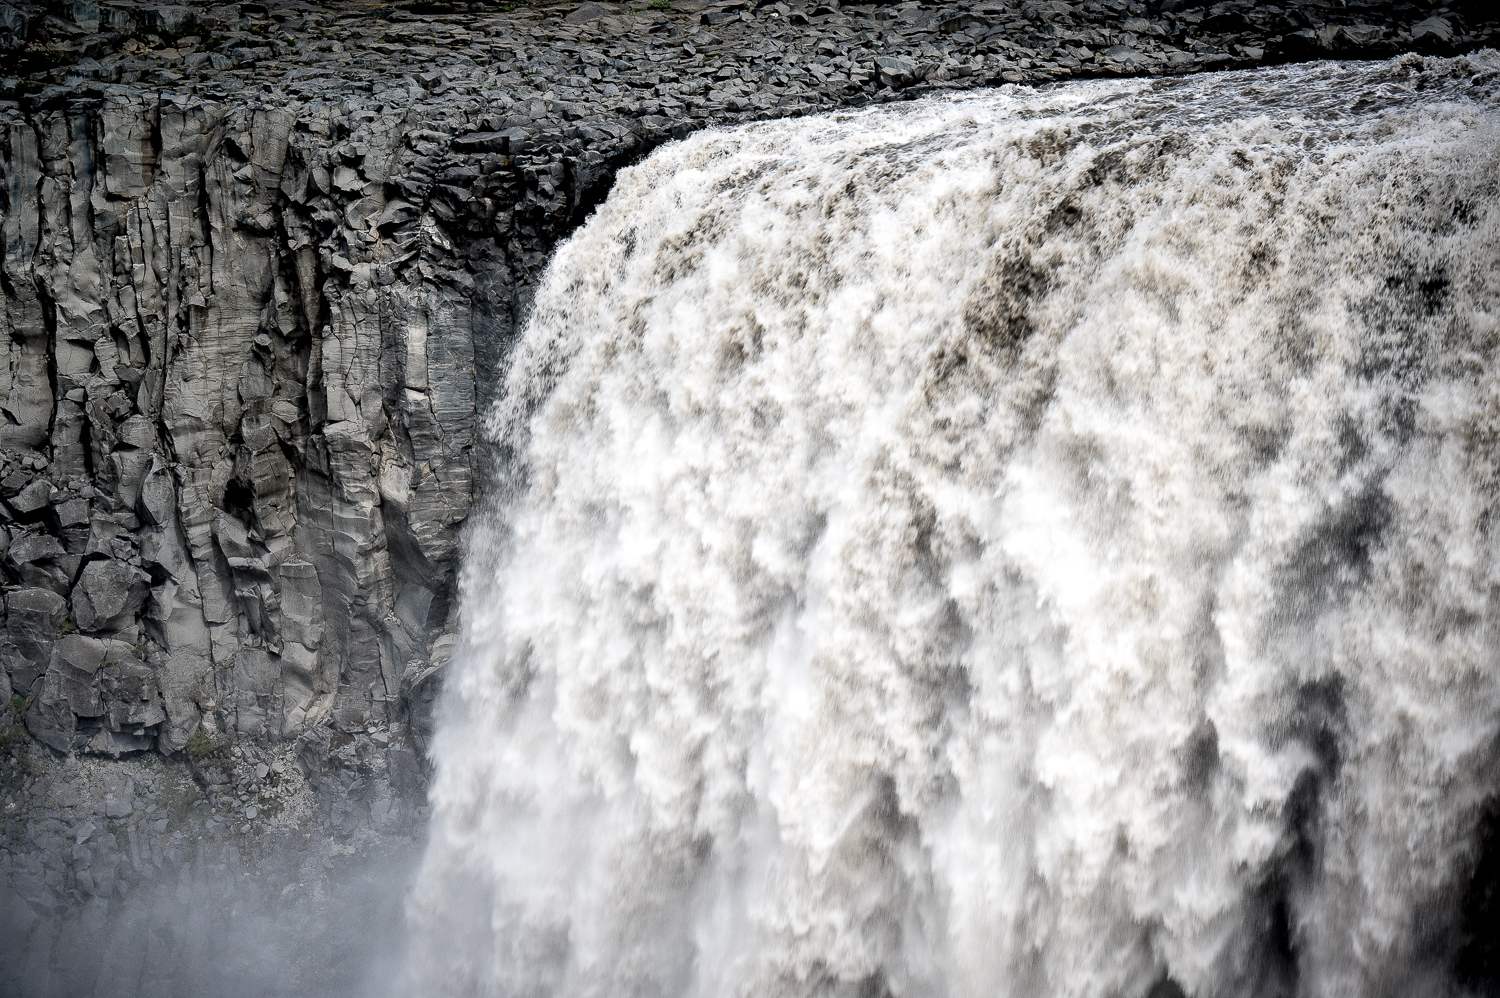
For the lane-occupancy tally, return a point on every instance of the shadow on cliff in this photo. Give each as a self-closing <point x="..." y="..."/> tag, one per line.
<point x="300" y="924"/>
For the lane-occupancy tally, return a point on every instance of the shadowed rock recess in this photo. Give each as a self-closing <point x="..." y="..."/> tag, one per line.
<point x="261" y="266"/>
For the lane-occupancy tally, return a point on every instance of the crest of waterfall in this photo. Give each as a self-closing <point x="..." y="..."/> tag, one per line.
<point x="1039" y="543"/>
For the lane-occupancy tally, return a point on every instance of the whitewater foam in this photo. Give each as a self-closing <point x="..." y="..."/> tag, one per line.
<point x="1035" y="543"/>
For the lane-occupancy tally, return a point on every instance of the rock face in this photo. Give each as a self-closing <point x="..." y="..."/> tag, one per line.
<point x="227" y="876"/>
<point x="239" y="404"/>
<point x="261" y="265"/>
<point x="693" y="60"/>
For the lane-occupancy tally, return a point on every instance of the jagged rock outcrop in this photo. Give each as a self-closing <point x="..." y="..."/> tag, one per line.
<point x="240" y="399"/>
<point x="193" y="417"/>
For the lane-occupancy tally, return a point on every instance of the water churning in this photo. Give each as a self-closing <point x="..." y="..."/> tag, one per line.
<point x="1040" y="543"/>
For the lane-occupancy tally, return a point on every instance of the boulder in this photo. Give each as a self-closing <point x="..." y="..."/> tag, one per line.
<point x="32" y="619"/>
<point x="240" y="550"/>
<point x="76" y="659"/>
<point x="168" y="19"/>
<point x="1434" y="31"/>
<point x="117" y="743"/>
<point x="39" y="560"/>
<point x="12" y="21"/>
<point x="130" y="696"/>
<point x="103" y="532"/>
<point x="961" y="22"/>
<point x="1362" y="35"/>
<point x="109" y="595"/>
<point x="51" y="720"/>
<point x="587" y="12"/>
<point x="157" y="499"/>
<point x="1123" y="54"/>
<point x="12" y="484"/>
<point x="499" y="142"/>
<point x="32" y="499"/>
<point x="896" y="71"/>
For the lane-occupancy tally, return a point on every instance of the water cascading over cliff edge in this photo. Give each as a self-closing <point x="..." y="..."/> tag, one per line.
<point x="1039" y="543"/>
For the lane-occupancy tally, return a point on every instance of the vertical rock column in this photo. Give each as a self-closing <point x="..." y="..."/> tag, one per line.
<point x="237" y="413"/>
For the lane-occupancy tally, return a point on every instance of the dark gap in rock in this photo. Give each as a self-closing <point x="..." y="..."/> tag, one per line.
<point x="239" y="500"/>
<point x="49" y="322"/>
<point x="1476" y="968"/>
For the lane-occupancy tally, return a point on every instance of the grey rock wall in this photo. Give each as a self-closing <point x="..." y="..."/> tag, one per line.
<point x="238" y="407"/>
<point x="247" y="342"/>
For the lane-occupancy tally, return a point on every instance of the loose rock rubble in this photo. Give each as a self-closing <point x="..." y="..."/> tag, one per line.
<point x="261" y="265"/>
<point x="255" y="795"/>
<point x="691" y="60"/>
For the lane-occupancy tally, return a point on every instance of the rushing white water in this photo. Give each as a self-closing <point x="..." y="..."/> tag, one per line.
<point x="1033" y="544"/>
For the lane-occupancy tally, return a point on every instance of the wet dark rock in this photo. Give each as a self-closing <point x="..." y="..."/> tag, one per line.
<point x="1433" y="31"/>
<point x="896" y="71"/>
<point x="1124" y="54"/>
<point x="39" y="560"/>
<point x="31" y="499"/>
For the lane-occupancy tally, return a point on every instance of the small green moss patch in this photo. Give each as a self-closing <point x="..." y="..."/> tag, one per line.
<point x="201" y="745"/>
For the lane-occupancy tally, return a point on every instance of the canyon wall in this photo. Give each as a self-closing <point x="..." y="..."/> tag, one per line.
<point x="245" y="349"/>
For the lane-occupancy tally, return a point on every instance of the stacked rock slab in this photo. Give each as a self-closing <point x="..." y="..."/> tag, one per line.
<point x="239" y="404"/>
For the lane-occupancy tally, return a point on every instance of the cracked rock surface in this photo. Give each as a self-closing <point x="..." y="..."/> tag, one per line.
<point x="261" y="266"/>
<point x="694" y="60"/>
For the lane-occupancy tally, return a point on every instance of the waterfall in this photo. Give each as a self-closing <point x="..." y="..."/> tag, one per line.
<point x="1035" y="543"/>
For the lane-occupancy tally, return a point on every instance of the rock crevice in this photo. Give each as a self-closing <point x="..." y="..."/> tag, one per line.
<point x="239" y="402"/>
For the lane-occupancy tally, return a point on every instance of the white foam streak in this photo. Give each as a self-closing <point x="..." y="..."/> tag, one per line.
<point x="1028" y="544"/>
